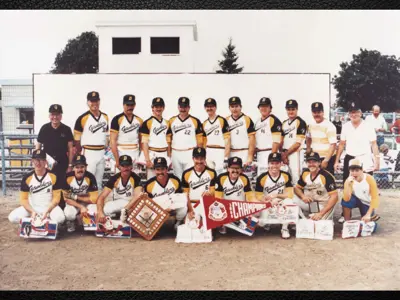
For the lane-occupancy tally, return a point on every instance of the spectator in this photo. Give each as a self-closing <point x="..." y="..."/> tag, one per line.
<point x="386" y="163"/>
<point x="378" y="122"/>
<point x="395" y="128"/>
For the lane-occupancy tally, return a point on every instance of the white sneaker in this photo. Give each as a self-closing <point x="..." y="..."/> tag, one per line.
<point x="267" y="227"/>
<point x="222" y="230"/>
<point x="124" y="215"/>
<point x="285" y="233"/>
<point x="341" y="220"/>
<point x="177" y="223"/>
<point x="70" y="226"/>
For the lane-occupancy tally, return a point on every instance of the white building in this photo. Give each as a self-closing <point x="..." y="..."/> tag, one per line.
<point x="146" y="47"/>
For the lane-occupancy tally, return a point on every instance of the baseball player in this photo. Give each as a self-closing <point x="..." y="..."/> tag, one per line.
<point x="125" y="187"/>
<point x="274" y="186"/>
<point x="90" y="133"/>
<point x="268" y="134"/>
<point x="80" y="192"/>
<point x="40" y="193"/>
<point x="242" y="132"/>
<point x="317" y="190"/>
<point x="217" y="138"/>
<point x="166" y="184"/>
<point x="233" y="185"/>
<point x="185" y="132"/>
<point x="294" y="130"/>
<point x="153" y="133"/>
<point x="124" y="132"/>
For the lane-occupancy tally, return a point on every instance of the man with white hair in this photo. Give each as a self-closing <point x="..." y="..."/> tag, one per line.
<point x="378" y="122"/>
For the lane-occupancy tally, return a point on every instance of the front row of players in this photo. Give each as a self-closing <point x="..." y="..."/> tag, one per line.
<point x="315" y="192"/>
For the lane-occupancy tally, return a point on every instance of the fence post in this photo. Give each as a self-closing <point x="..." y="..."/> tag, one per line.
<point x="3" y="165"/>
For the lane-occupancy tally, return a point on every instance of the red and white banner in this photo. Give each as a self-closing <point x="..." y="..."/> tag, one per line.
<point x="218" y="212"/>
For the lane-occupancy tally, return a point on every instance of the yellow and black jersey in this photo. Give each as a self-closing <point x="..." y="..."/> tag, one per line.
<point x="123" y="190"/>
<point x="237" y="190"/>
<point x="216" y="132"/>
<point x="87" y="185"/>
<point x="185" y="134"/>
<point x="128" y="131"/>
<point x="195" y="184"/>
<point x="154" y="189"/>
<point x="294" y="131"/>
<point x="268" y="131"/>
<point x="91" y="131"/>
<point x="319" y="188"/>
<point x="266" y="184"/>
<point x="154" y="132"/>
<point x="240" y="129"/>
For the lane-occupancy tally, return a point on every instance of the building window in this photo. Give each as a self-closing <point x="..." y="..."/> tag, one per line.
<point x="164" y="45"/>
<point x="126" y="45"/>
<point x="26" y="116"/>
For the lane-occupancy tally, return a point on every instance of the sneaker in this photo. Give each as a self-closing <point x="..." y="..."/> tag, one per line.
<point x="267" y="227"/>
<point x="341" y="220"/>
<point x="124" y="215"/>
<point x="70" y="226"/>
<point x="285" y="234"/>
<point x="177" y="223"/>
<point x="292" y="227"/>
<point x="222" y="230"/>
<point x="375" y="218"/>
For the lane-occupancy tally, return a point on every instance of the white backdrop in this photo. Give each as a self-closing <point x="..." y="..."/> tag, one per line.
<point x="70" y="91"/>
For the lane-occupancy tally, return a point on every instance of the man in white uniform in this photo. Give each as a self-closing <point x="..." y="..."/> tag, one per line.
<point x="268" y="134"/>
<point x="217" y="137"/>
<point x="124" y="132"/>
<point x="91" y="134"/>
<point x="185" y="132"/>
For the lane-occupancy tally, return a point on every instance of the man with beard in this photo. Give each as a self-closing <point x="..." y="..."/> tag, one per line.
<point x="378" y="122"/>
<point x="40" y="193"/>
<point x="217" y="137"/>
<point x="274" y="186"/>
<point x="167" y="184"/>
<point x="268" y="134"/>
<point x="124" y="132"/>
<point x="317" y="190"/>
<point x="185" y="132"/>
<point x="233" y="185"/>
<point x="90" y="133"/>
<point x="242" y="130"/>
<point x="125" y="187"/>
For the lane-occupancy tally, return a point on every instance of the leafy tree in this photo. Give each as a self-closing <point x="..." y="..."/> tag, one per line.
<point x="228" y="65"/>
<point x="80" y="55"/>
<point x="370" y="78"/>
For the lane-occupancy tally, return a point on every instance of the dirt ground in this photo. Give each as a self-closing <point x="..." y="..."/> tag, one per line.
<point x="81" y="261"/>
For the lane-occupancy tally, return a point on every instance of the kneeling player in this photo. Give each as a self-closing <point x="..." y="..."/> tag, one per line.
<point x="80" y="192"/>
<point x="274" y="186"/>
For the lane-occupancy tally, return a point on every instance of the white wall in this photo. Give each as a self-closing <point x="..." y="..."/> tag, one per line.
<point x="70" y="91"/>
<point x="145" y="62"/>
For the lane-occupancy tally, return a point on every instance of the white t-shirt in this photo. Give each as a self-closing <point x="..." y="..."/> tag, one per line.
<point x="358" y="140"/>
<point x="376" y="123"/>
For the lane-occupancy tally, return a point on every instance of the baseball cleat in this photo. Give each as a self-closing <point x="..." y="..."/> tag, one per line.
<point x="285" y="234"/>
<point x="375" y="218"/>
<point x="222" y="230"/>
<point x="341" y="220"/>
<point x="267" y="227"/>
<point x="70" y="226"/>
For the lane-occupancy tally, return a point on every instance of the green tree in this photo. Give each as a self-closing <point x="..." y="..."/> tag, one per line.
<point x="80" y="55"/>
<point x="370" y="78"/>
<point x="228" y="65"/>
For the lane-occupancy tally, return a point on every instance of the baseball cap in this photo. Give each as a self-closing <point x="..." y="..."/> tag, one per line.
<point x="355" y="163"/>
<point x="160" y="162"/>
<point x="313" y="156"/>
<point x="183" y="101"/>
<point x="199" y="152"/>
<point x="79" y="160"/>
<point x="125" y="160"/>
<point x="158" y="102"/>
<point x="210" y="101"/>
<point x="275" y="157"/>
<point x="235" y="100"/>
<point x="38" y="154"/>
<point x="317" y="106"/>
<point x="235" y="161"/>
<point x="264" y="102"/>
<point x="291" y="104"/>
<point x="93" y="96"/>
<point x="55" y="108"/>
<point x="129" y="99"/>
<point x="354" y="106"/>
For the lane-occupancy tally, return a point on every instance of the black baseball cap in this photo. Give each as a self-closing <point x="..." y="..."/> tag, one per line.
<point x="125" y="160"/>
<point x="183" y="101"/>
<point x="317" y="106"/>
<point x="291" y="104"/>
<point x="55" y="108"/>
<point x="158" y="102"/>
<point x="235" y="100"/>
<point x="354" y="106"/>
<point x="275" y="157"/>
<point x="38" y="154"/>
<point x="93" y="96"/>
<point x="313" y="156"/>
<point x="264" y="101"/>
<point x="160" y="162"/>
<point x="235" y="161"/>
<point x="199" y="152"/>
<point x="210" y="101"/>
<point x="79" y="160"/>
<point x="129" y="99"/>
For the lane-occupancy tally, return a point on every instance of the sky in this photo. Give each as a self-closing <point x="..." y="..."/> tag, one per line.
<point x="267" y="41"/>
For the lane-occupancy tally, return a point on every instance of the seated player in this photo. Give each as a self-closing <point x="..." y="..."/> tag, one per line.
<point x="125" y="187"/>
<point x="80" y="192"/>
<point x="274" y="186"/>
<point x="40" y="193"/>
<point x="233" y="185"/>
<point x="317" y="190"/>
<point x="360" y="191"/>
<point x="166" y="184"/>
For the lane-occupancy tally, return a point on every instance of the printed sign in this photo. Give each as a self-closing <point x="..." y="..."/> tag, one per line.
<point x="37" y="229"/>
<point x="280" y="214"/>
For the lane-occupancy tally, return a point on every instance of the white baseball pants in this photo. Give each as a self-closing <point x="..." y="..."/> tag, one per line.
<point x="56" y="215"/>
<point x="134" y="154"/>
<point x="114" y="206"/>
<point x="180" y="213"/>
<point x="153" y="154"/>
<point x="304" y="207"/>
<point x="71" y="211"/>
<point x="243" y="154"/>
<point x="215" y="159"/>
<point x="295" y="166"/>
<point x="181" y="161"/>
<point x="262" y="161"/>
<point x="96" y="164"/>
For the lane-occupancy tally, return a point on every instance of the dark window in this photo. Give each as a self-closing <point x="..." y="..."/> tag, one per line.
<point x="126" y="45"/>
<point x="26" y="116"/>
<point x="164" y="45"/>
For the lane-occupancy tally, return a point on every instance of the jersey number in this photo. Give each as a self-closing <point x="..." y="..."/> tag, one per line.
<point x="216" y="132"/>
<point x="290" y="135"/>
<point x="262" y="130"/>
<point x="128" y="194"/>
<point x="237" y="131"/>
<point x="187" y="132"/>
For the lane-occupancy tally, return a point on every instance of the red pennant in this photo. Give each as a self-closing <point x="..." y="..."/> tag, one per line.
<point x="218" y="211"/>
